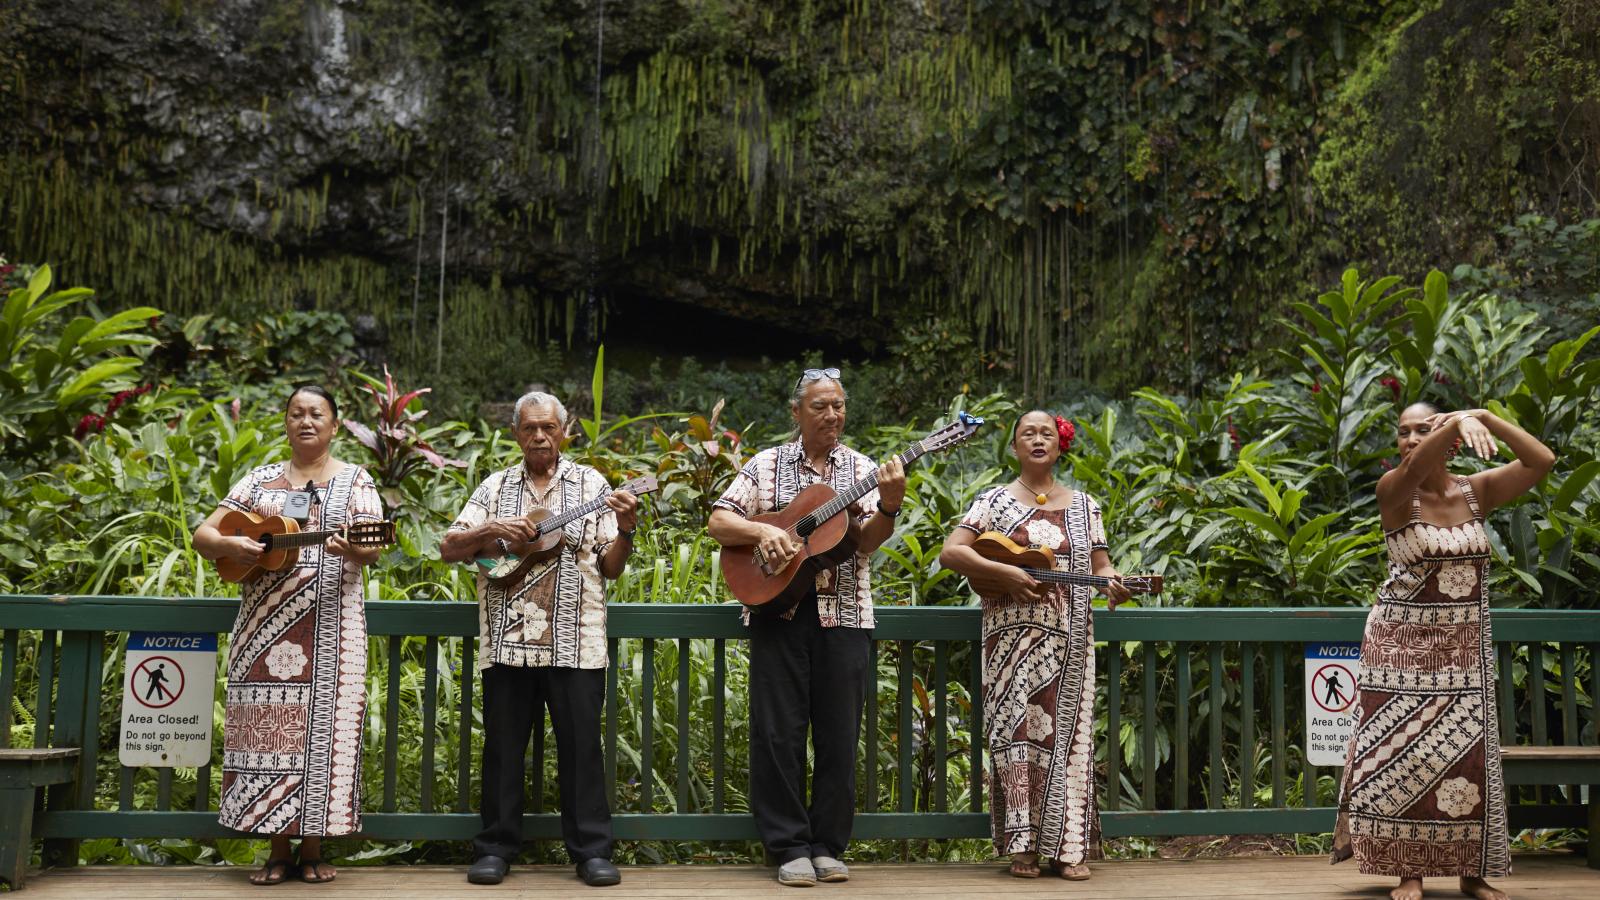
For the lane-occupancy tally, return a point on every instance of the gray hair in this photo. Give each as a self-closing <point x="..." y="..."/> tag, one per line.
<point x="537" y="398"/>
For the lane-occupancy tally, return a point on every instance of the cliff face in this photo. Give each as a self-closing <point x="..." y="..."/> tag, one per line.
<point x="1104" y="192"/>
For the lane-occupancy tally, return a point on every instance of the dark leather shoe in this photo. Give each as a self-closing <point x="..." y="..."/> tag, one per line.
<point x="599" y="872"/>
<point x="488" y="870"/>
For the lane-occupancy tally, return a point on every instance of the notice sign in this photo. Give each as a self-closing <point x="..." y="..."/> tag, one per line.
<point x="1330" y="698"/>
<point x="169" y="686"/>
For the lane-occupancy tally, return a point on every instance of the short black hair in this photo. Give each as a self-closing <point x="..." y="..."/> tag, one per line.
<point x="1434" y="407"/>
<point x="315" y="390"/>
<point x="1018" y="425"/>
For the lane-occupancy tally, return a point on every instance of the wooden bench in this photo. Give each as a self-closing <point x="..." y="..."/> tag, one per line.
<point x="1557" y="766"/>
<point x="22" y="773"/>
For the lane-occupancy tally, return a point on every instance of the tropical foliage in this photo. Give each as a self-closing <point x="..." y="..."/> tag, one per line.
<point x="1258" y="491"/>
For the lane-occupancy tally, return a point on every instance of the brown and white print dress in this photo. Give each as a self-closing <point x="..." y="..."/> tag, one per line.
<point x="1422" y="793"/>
<point x="1038" y="687"/>
<point x="297" y="666"/>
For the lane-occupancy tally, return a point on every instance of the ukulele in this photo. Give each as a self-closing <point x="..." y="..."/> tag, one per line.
<point x="826" y="538"/>
<point x="1040" y="562"/>
<point x="283" y="539"/>
<point x="511" y="567"/>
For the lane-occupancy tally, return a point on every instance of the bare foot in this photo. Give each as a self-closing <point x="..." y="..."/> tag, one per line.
<point x="1477" y="887"/>
<point x="1409" y="889"/>
<point x="1024" y="865"/>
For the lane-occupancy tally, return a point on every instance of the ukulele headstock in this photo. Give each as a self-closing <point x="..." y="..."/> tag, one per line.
<point x="644" y="484"/>
<point x="1143" y="584"/>
<point x="954" y="434"/>
<point x="370" y="534"/>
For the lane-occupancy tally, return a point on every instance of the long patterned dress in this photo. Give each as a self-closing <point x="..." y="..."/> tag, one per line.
<point x="1038" y="688"/>
<point x="1422" y="793"/>
<point x="297" y="665"/>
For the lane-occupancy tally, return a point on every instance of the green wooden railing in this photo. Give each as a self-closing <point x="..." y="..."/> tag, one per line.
<point x="1200" y="675"/>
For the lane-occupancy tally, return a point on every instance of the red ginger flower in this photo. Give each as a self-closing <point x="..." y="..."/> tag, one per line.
<point x="1065" y="434"/>
<point x="90" y="422"/>
<point x="1392" y="383"/>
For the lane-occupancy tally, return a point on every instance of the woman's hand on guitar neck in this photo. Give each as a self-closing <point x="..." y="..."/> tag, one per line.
<point x="1116" y="592"/>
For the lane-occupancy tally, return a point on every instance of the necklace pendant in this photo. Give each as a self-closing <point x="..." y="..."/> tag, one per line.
<point x="1041" y="499"/>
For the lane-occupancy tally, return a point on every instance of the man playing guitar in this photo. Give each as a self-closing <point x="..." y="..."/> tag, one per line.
<point x="809" y="664"/>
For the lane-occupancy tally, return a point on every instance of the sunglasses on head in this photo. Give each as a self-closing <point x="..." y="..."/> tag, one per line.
<point x="810" y="375"/>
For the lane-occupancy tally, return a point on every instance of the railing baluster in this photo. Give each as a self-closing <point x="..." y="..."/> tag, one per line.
<point x="941" y="675"/>
<point x="975" y="694"/>
<point x="8" y="682"/>
<point x="1247" y="725"/>
<point x="47" y="679"/>
<point x="719" y="728"/>
<point x="464" y="685"/>
<point x="1279" y="764"/>
<point x="1113" y="725"/>
<point x="1507" y="695"/>
<point x="647" y="733"/>
<point x="391" y="725"/>
<point x="871" y="752"/>
<point x="1569" y="707"/>
<point x="611" y="721"/>
<point x="1536" y="702"/>
<point x="164" y="788"/>
<point x="202" y="788"/>
<point x="430" y="717"/>
<point x="1219" y="693"/>
<point x="125" y="787"/>
<point x="1536" y="699"/>
<point x="683" y="725"/>
<point x="907" y="791"/>
<point x="1147" y="727"/>
<point x="88" y="734"/>
<point x="1180" y="739"/>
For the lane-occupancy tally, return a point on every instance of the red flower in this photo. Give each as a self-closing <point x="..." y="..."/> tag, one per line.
<point x="1392" y="383"/>
<point x="1233" y="435"/>
<point x="1386" y="464"/>
<point x="1065" y="434"/>
<point x="1316" y="387"/>
<point x="90" y="422"/>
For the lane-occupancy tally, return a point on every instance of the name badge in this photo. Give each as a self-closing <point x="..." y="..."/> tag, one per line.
<point x="297" y="505"/>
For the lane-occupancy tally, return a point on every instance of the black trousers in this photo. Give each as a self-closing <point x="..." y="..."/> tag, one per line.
<point x="514" y="698"/>
<point x="804" y="676"/>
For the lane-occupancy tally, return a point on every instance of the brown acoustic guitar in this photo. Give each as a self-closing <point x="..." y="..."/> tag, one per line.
<point x="1040" y="562"/>
<point x="283" y="539"/>
<point x="826" y="537"/>
<point x="514" y="563"/>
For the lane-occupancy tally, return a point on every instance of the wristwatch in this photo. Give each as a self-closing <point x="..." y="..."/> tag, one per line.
<point x="886" y="512"/>
<point x="627" y="534"/>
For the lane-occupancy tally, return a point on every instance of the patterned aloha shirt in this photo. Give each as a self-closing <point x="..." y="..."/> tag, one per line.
<point x="770" y="481"/>
<point x="557" y="615"/>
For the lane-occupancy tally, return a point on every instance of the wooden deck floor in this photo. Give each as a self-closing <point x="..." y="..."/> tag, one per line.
<point x="1554" y="875"/>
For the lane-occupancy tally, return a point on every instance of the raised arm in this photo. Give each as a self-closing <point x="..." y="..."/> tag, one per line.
<point x="1498" y="486"/>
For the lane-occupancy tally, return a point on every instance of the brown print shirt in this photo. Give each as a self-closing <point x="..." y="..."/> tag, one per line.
<point x="557" y="615"/>
<point x="770" y="481"/>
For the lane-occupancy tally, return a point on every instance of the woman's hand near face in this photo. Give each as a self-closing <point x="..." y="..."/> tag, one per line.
<point x="1476" y="435"/>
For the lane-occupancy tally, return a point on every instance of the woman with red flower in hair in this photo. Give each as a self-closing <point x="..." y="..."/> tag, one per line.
<point x="1038" y="656"/>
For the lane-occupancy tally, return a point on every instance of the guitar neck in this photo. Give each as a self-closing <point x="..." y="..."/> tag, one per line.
<point x="1073" y="578"/>
<point x="302" y="538"/>
<point x="555" y="523"/>
<point x="863" y="487"/>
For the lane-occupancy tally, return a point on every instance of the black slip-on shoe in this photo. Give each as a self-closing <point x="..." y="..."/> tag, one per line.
<point x="599" y="872"/>
<point x="488" y="870"/>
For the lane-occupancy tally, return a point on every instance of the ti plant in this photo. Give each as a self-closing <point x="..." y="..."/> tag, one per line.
<point x="398" y="448"/>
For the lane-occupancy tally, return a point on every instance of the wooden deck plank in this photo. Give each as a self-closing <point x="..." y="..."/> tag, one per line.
<point x="1537" y="875"/>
